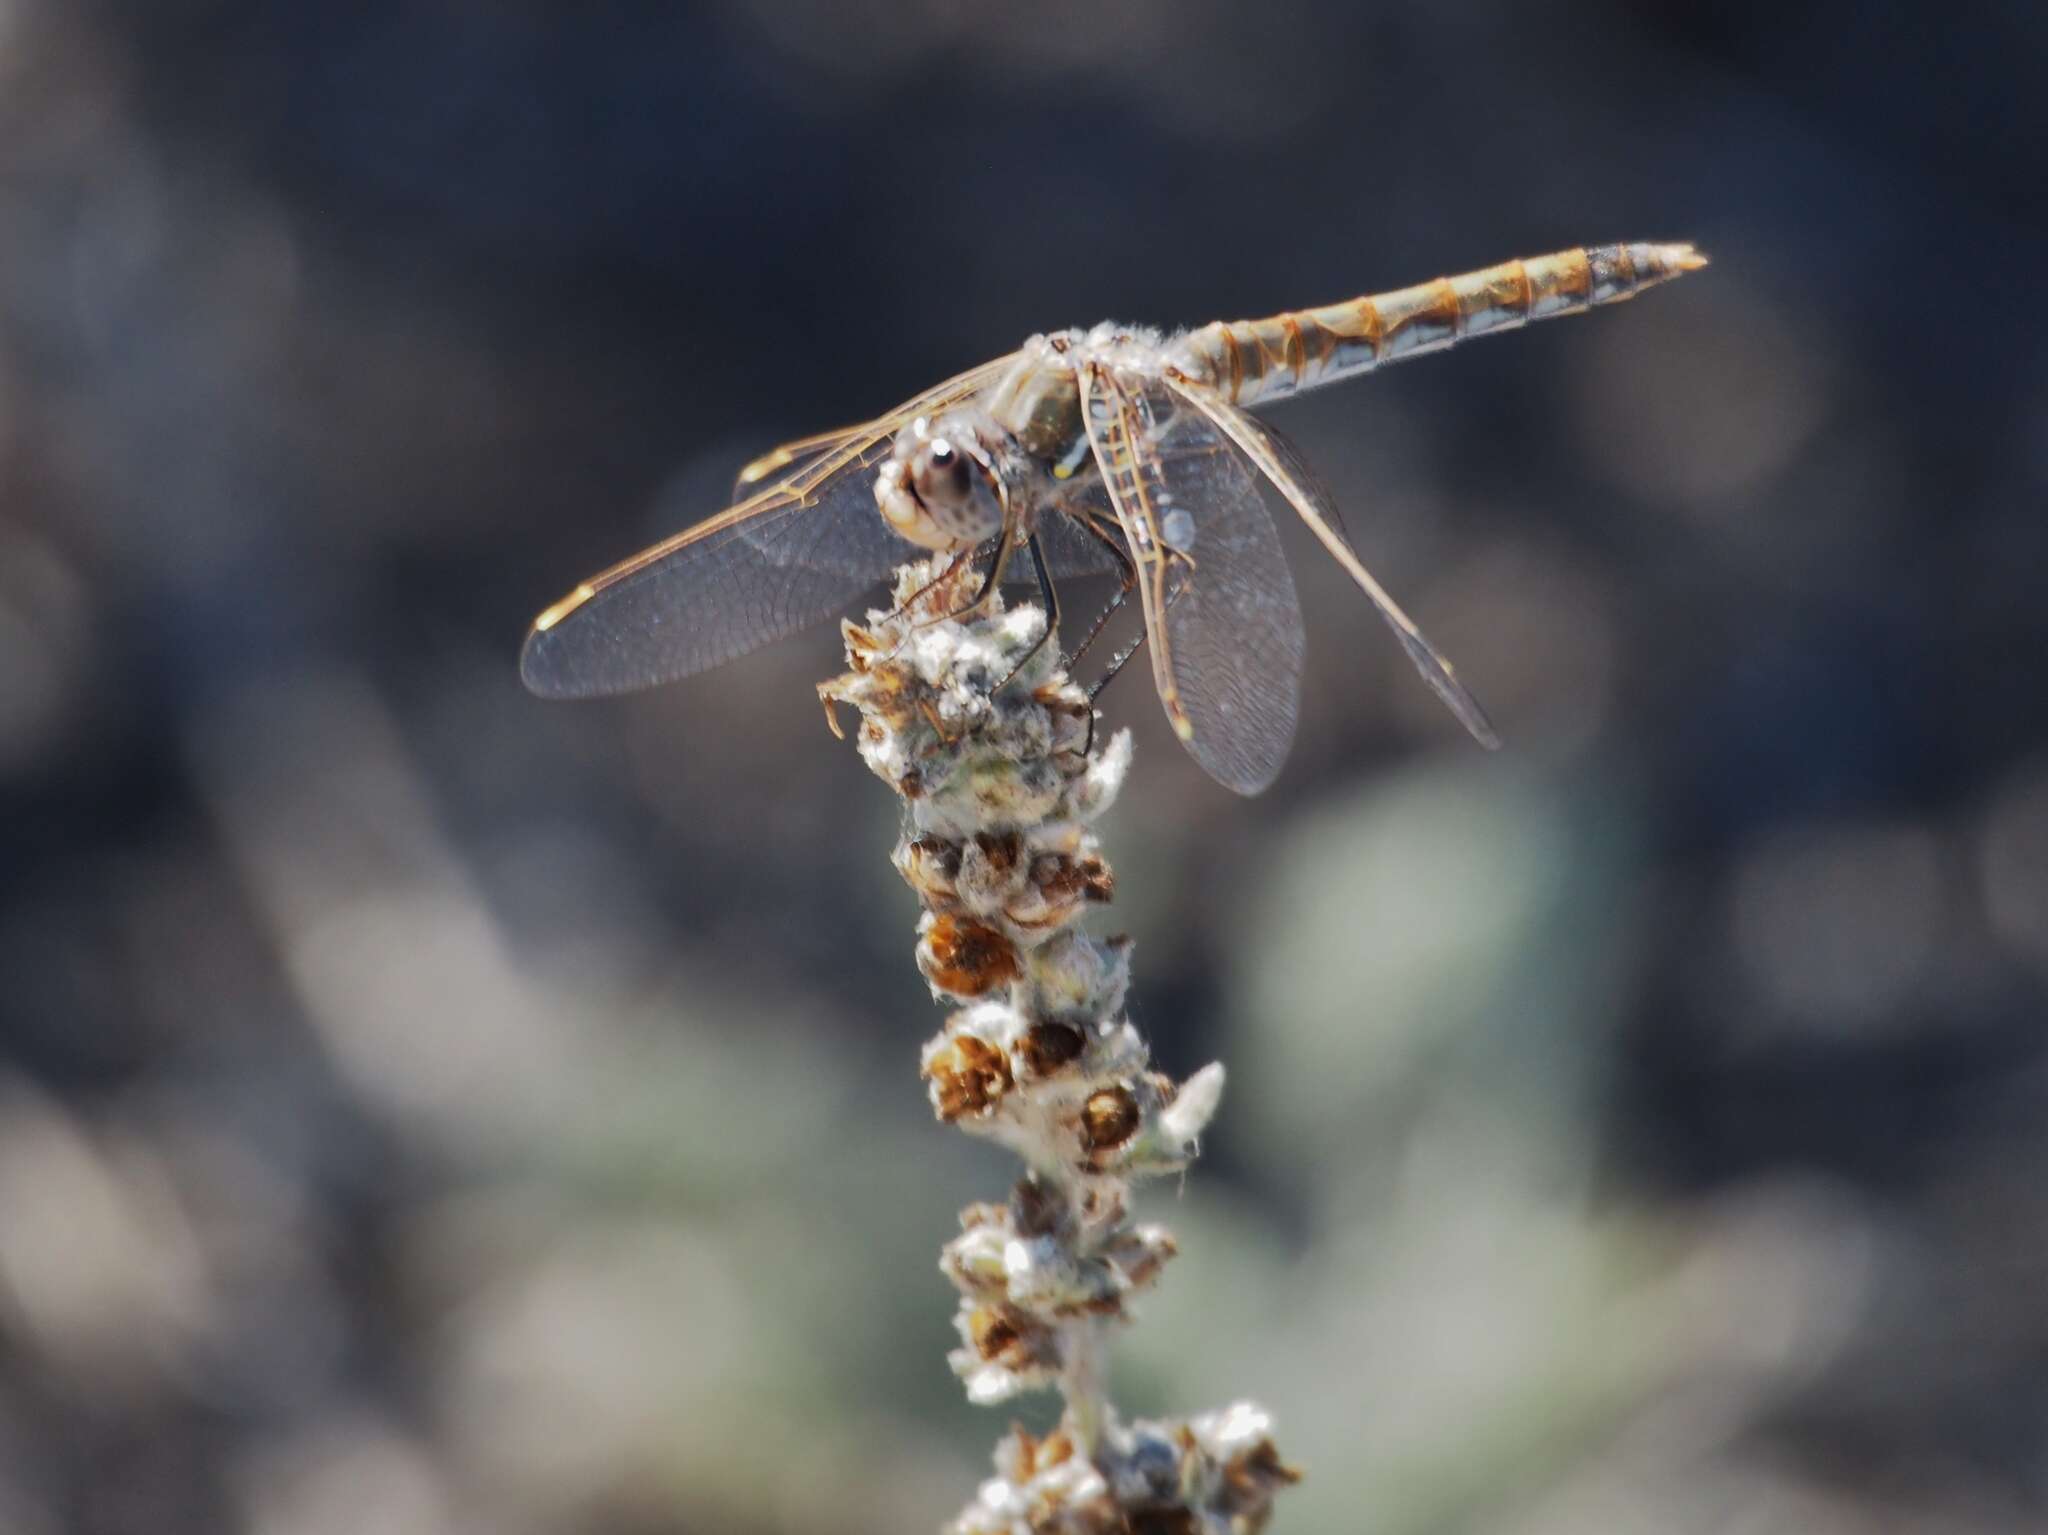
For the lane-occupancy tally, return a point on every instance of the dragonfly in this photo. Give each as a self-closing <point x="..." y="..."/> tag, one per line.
<point x="1112" y="450"/>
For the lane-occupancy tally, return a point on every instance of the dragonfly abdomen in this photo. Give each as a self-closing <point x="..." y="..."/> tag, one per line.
<point x="1254" y="361"/>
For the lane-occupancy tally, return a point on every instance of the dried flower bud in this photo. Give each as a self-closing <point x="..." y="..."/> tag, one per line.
<point x="965" y="958"/>
<point x="1108" y="1118"/>
<point x="1049" y="1046"/>
<point x="1170" y="1520"/>
<point x="1007" y="1352"/>
<point x="931" y="867"/>
<point x="1036" y="1209"/>
<point x="1214" y="1473"/>
<point x="968" y="1075"/>
<point x="990" y="870"/>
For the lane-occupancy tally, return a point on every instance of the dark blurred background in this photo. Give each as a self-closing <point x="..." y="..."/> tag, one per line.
<point x="424" y="1109"/>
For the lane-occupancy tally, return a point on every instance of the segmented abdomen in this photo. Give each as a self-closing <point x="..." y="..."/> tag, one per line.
<point x="1253" y="361"/>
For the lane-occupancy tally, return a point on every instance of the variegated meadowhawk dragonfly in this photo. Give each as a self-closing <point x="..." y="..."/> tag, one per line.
<point x="1114" y="449"/>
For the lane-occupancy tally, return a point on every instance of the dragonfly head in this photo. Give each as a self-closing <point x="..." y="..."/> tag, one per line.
<point x="939" y="487"/>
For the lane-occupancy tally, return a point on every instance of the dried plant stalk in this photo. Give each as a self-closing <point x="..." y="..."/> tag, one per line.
<point x="1002" y="786"/>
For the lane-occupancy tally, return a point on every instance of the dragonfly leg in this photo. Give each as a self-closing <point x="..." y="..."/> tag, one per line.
<point x="912" y="600"/>
<point x="902" y="609"/>
<point x="1127" y="574"/>
<point x="1002" y="546"/>
<point x="1118" y="661"/>
<point x="1051" y="597"/>
<point x="1006" y="544"/>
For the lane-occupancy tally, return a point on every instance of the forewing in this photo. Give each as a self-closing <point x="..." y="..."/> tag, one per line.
<point x="1223" y="621"/>
<point x="1278" y="462"/>
<point x="789" y="459"/>
<point x="778" y="561"/>
<point x="710" y="594"/>
<point x="828" y="474"/>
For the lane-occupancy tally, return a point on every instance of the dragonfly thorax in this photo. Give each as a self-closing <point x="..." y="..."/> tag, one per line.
<point x="949" y="482"/>
<point x="1039" y="399"/>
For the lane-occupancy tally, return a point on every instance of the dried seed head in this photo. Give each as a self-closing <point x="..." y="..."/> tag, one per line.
<point x="1007" y="1352"/>
<point x="1213" y="1474"/>
<point x="965" y="958"/>
<point x="1162" y="1521"/>
<point x="1036" y="1209"/>
<point x="1252" y="1475"/>
<point x="994" y="1331"/>
<point x="968" y="1075"/>
<point x="1000" y="850"/>
<point x="931" y="867"/>
<point x="1109" y="1118"/>
<point x="1076" y="979"/>
<point x="1049" y="1046"/>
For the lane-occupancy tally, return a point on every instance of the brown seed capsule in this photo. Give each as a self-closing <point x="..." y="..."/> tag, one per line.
<point x="1034" y="1209"/>
<point x="1109" y="1118"/>
<point x="1049" y="1046"/>
<point x="1055" y="1449"/>
<point x="968" y="1075"/>
<point x="990" y="870"/>
<point x="1103" y="1207"/>
<point x="1141" y="1262"/>
<point x="1254" y="1473"/>
<point x="1098" y="880"/>
<point x="1012" y="1338"/>
<point x="993" y="1332"/>
<point x="966" y="958"/>
<point x="1000" y="849"/>
<point x="930" y="866"/>
<point x="981" y="1212"/>
<point x="1061" y="878"/>
<point x="1161" y="1521"/>
<point x="1026" y="1466"/>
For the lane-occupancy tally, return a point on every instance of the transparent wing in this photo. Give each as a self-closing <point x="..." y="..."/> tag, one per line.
<point x="790" y="458"/>
<point x="779" y="561"/>
<point x="1070" y="549"/>
<point x="828" y="471"/>
<point x="1277" y="460"/>
<point x="1221" y="615"/>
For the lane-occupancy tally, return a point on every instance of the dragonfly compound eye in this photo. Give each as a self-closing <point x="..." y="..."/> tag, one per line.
<point x="954" y="483"/>
<point x="948" y="476"/>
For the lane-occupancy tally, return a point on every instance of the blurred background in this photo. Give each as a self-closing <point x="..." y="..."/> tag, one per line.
<point x="426" y="1109"/>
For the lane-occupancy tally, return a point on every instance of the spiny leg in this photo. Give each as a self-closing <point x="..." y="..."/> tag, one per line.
<point x="903" y="608"/>
<point x="1051" y="598"/>
<point x="997" y="550"/>
<point x="1002" y="545"/>
<point x="1117" y="662"/>
<point x="1127" y="574"/>
<point x="1006" y="544"/>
